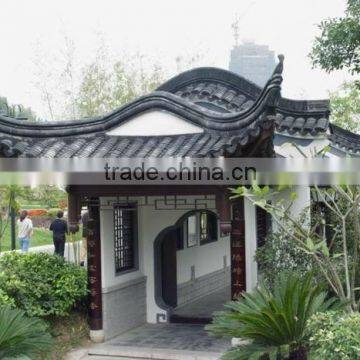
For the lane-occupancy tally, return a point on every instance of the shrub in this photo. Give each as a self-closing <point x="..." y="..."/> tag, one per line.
<point x="280" y="254"/>
<point x="5" y="299"/>
<point x="63" y="204"/>
<point x="21" y="336"/>
<point x="42" y="221"/>
<point x="53" y="212"/>
<point x="37" y="212"/>
<point x="42" y="284"/>
<point x="273" y="322"/>
<point x="334" y="336"/>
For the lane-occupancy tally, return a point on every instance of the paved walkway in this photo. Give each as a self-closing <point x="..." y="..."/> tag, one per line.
<point x="71" y="250"/>
<point x="161" y="341"/>
<point x="171" y="336"/>
<point x="205" y="306"/>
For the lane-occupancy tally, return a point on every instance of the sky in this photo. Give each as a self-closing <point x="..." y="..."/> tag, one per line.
<point x="161" y="30"/>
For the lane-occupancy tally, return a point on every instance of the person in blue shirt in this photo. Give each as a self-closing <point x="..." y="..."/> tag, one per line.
<point x="59" y="227"/>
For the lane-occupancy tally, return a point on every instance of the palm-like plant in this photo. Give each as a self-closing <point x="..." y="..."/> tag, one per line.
<point x="272" y="323"/>
<point x="21" y="336"/>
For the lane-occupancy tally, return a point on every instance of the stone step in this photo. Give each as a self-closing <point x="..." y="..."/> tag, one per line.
<point x="95" y="357"/>
<point x="105" y="352"/>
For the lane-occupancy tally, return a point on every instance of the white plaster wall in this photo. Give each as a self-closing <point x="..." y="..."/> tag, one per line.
<point x="150" y="223"/>
<point x="301" y="202"/>
<point x="155" y="123"/>
<point x="206" y="259"/>
<point x="250" y="245"/>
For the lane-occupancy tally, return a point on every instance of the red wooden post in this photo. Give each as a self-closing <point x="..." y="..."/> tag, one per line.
<point x="94" y="271"/>
<point x="237" y="239"/>
<point x="74" y="211"/>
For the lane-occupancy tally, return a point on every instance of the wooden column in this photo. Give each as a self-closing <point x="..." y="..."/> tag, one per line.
<point x="74" y="211"/>
<point x="237" y="240"/>
<point x="94" y="265"/>
<point x="223" y="208"/>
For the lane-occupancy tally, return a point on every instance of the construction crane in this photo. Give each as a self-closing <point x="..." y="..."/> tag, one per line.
<point x="235" y="24"/>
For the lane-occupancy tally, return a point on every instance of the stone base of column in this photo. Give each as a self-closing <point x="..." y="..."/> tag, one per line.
<point x="97" y="336"/>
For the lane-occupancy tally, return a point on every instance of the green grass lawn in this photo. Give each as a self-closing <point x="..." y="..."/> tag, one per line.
<point x="40" y="237"/>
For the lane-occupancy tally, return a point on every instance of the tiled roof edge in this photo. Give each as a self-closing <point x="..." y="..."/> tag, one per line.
<point x="157" y="100"/>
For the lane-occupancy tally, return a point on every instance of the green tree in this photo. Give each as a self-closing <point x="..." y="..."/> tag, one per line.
<point x="94" y="95"/>
<point x="338" y="45"/>
<point x="337" y="258"/>
<point x="48" y="195"/>
<point x="345" y="107"/>
<point x="102" y="90"/>
<point x="16" y="110"/>
<point x="9" y="205"/>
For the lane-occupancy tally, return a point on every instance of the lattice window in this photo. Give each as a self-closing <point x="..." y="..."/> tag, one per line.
<point x="125" y="233"/>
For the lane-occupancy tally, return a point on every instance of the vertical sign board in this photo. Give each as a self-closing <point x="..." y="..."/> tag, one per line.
<point x="94" y="266"/>
<point x="237" y="238"/>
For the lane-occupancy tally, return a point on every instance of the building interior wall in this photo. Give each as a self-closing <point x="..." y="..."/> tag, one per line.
<point x="154" y="215"/>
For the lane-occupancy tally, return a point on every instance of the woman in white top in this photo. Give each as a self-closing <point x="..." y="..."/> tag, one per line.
<point x="25" y="231"/>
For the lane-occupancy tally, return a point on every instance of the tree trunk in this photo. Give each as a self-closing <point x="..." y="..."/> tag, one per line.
<point x="299" y="353"/>
<point x="12" y="227"/>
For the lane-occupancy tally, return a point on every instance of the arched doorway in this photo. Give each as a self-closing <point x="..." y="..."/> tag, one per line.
<point x="168" y="268"/>
<point x="192" y="268"/>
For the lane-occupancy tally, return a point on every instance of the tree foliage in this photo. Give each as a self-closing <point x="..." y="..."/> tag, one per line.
<point x="338" y="257"/>
<point x="15" y="110"/>
<point x="72" y="90"/>
<point x="48" y="195"/>
<point x="334" y="336"/>
<point x="279" y="254"/>
<point x="102" y="89"/>
<point x="42" y="284"/>
<point x="338" y="45"/>
<point x="345" y="107"/>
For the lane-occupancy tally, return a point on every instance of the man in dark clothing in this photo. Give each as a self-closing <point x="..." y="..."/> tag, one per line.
<point x="59" y="228"/>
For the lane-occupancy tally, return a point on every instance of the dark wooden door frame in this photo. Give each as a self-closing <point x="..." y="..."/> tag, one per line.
<point x="237" y="243"/>
<point x="168" y="268"/>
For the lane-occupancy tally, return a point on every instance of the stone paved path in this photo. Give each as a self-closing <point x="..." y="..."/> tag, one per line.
<point x="205" y="306"/>
<point x="157" y="341"/>
<point x="171" y="336"/>
<point x="49" y="249"/>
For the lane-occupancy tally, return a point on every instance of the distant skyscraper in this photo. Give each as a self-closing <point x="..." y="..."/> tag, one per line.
<point x="254" y="62"/>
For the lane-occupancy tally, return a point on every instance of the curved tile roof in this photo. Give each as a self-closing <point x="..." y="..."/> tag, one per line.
<point x="344" y="140"/>
<point x="223" y="131"/>
<point x="224" y="91"/>
<point x="232" y="111"/>
<point x="101" y="145"/>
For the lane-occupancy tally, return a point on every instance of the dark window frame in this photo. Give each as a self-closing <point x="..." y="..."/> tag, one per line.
<point x="186" y="224"/>
<point x="183" y="243"/>
<point x="215" y="230"/>
<point x="123" y="268"/>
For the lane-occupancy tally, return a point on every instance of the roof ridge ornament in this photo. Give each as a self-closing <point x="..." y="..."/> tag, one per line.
<point x="274" y="82"/>
<point x="280" y="65"/>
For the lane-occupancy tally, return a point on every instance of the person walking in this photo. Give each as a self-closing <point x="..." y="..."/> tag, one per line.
<point x="25" y="231"/>
<point x="59" y="228"/>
